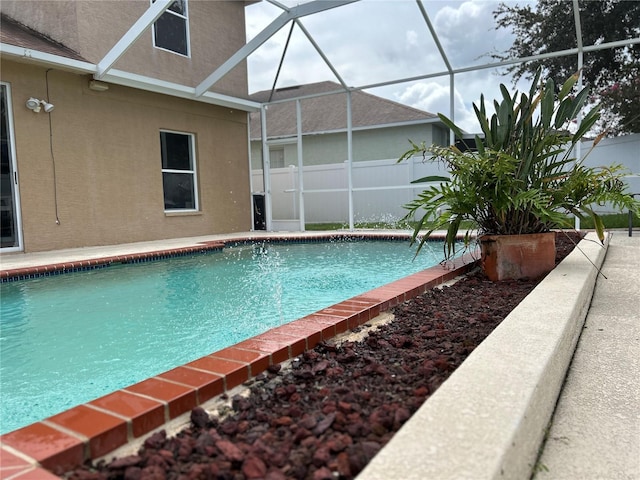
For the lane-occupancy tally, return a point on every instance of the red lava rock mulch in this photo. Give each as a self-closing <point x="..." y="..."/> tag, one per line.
<point x="327" y="414"/>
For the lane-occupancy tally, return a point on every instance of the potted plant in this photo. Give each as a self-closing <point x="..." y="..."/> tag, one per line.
<point x="520" y="182"/>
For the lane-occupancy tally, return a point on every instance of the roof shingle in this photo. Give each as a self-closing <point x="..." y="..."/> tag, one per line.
<point x="329" y="112"/>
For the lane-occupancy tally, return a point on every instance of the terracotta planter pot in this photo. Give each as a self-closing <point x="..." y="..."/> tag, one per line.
<point x="512" y="257"/>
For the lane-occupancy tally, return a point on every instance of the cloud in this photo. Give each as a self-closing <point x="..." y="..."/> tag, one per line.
<point x="432" y="96"/>
<point x="411" y="39"/>
<point x="378" y="41"/>
<point x="467" y="32"/>
<point x="367" y="42"/>
<point x="429" y="96"/>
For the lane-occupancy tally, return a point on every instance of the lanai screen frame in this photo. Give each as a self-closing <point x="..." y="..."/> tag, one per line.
<point x="295" y="13"/>
<point x="104" y="69"/>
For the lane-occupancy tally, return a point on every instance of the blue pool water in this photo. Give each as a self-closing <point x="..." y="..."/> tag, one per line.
<point x="68" y="339"/>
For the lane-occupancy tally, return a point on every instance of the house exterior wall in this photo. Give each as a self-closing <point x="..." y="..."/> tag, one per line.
<point x="373" y="144"/>
<point x="54" y="19"/>
<point x="103" y="165"/>
<point x="92" y="28"/>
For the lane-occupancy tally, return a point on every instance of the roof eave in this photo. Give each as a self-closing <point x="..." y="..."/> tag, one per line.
<point x="119" y="77"/>
<point x="45" y="59"/>
<point x="149" y="84"/>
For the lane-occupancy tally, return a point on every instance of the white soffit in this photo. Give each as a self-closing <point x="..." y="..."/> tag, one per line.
<point x="47" y="59"/>
<point x="176" y="90"/>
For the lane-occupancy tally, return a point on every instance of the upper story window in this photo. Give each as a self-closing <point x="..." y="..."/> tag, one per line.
<point x="178" y="171"/>
<point x="171" y="30"/>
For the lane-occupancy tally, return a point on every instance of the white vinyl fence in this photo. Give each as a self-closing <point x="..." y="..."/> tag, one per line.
<point x="380" y="188"/>
<point x="624" y="150"/>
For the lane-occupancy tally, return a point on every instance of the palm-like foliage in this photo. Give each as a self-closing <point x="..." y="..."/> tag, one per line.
<point x="522" y="178"/>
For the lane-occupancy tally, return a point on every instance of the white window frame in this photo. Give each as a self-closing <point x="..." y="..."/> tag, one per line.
<point x="193" y="171"/>
<point x="184" y="17"/>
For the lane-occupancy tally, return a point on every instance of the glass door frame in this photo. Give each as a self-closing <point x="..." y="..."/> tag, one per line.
<point x="15" y="191"/>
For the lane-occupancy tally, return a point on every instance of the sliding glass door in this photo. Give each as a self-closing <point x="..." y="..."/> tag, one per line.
<point x="9" y="201"/>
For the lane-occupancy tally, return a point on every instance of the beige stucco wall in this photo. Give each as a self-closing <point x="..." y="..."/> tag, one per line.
<point x="92" y="28"/>
<point x="106" y="154"/>
<point x="56" y="19"/>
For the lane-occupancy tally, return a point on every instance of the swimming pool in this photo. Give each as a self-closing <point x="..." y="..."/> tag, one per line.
<point x="72" y="338"/>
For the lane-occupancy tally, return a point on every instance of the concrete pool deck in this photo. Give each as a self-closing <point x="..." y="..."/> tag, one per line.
<point x="72" y="436"/>
<point x="489" y="419"/>
<point x="595" y="431"/>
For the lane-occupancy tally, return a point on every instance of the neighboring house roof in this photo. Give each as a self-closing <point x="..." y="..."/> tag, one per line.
<point x="14" y="33"/>
<point x="329" y="112"/>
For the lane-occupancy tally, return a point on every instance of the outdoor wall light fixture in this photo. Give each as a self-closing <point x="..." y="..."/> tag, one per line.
<point x="98" y="86"/>
<point x="35" y="105"/>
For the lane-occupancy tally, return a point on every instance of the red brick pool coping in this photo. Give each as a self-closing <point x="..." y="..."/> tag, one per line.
<point x="42" y="450"/>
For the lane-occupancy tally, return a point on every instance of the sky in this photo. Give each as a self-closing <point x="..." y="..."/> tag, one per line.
<point x="377" y="41"/>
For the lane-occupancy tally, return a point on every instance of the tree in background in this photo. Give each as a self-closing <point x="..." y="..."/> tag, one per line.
<point x="613" y="73"/>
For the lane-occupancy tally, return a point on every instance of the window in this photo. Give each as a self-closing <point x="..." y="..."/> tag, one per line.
<point x="171" y="30"/>
<point x="178" y="171"/>
<point x="276" y="157"/>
